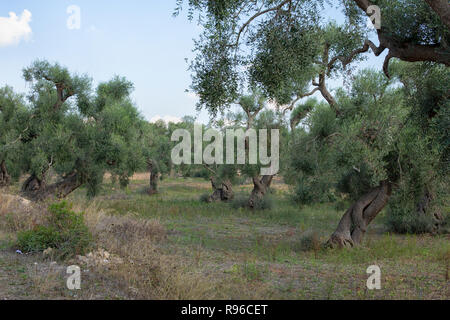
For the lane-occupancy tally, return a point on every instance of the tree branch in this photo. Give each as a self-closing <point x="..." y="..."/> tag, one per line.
<point x="212" y="171"/>
<point x="299" y="97"/>
<point x="408" y="51"/>
<point x="386" y="65"/>
<point x="347" y="60"/>
<point x="256" y="15"/>
<point x="442" y="9"/>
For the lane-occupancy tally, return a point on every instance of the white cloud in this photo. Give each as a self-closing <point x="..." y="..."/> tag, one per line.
<point x="14" y="28"/>
<point x="166" y="119"/>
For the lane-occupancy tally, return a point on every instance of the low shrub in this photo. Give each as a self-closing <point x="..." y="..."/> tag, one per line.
<point x="265" y="203"/>
<point x="309" y="241"/>
<point x="406" y="220"/>
<point x="313" y="190"/>
<point x="204" y="197"/>
<point x="241" y="201"/>
<point x="64" y="231"/>
<point x="403" y="215"/>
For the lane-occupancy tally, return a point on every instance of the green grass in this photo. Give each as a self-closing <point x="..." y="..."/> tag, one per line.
<point x="266" y="247"/>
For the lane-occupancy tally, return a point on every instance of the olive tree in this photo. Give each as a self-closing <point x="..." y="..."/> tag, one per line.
<point x="156" y="147"/>
<point x="14" y="130"/>
<point x="75" y="135"/>
<point x="282" y="48"/>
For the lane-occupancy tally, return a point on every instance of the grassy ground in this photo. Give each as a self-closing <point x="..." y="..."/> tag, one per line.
<point x="176" y="247"/>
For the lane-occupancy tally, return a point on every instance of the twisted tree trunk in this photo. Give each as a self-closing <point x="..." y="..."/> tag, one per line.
<point x="260" y="188"/>
<point x="38" y="191"/>
<point x="424" y="207"/>
<point x="223" y="191"/>
<point x="33" y="184"/>
<point x="354" y="223"/>
<point x="5" y="178"/>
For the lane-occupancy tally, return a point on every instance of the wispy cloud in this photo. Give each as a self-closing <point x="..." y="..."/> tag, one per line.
<point x="14" y="29"/>
<point x="166" y="119"/>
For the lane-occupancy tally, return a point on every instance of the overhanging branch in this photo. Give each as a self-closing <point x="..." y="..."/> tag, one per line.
<point x="442" y="9"/>
<point x="409" y="51"/>
<point x="347" y="60"/>
<point x="256" y="15"/>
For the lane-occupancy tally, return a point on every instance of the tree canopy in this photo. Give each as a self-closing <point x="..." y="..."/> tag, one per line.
<point x="381" y="135"/>
<point x="283" y="46"/>
<point x="68" y="130"/>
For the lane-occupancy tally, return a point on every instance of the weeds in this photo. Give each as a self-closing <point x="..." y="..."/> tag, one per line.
<point x="64" y="231"/>
<point x="241" y="201"/>
<point x="175" y="247"/>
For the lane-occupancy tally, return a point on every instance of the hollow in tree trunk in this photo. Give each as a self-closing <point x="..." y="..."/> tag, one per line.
<point x="222" y="191"/>
<point x="60" y="190"/>
<point x="153" y="186"/>
<point x="5" y="178"/>
<point x="260" y="188"/>
<point x="354" y="223"/>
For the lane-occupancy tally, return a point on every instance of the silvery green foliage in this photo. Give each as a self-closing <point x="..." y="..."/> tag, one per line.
<point x="71" y="129"/>
<point x="14" y="117"/>
<point x="280" y="46"/>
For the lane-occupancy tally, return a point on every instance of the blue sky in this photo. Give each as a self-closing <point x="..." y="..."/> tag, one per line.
<point x="138" y="39"/>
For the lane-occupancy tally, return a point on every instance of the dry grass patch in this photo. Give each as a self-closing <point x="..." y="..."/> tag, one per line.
<point x="146" y="272"/>
<point x="19" y="214"/>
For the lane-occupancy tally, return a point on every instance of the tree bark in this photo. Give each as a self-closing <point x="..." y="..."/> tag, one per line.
<point x="172" y="172"/>
<point x="354" y="223"/>
<point x="260" y="188"/>
<point x="424" y="207"/>
<point x="60" y="190"/>
<point x="409" y="51"/>
<point x="442" y="9"/>
<point x="322" y="85"/>
<point x="223" y="191"/>
<point x="5" y="178"/>
<point x="153" y="186"/>
<point x="33" y="184"/>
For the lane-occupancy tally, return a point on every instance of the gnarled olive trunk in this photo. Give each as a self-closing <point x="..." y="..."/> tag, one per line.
<point x="5" y="178"/>
<point x="153" y="186"/>
<point x="354" y="223"/>
<point x="60" y="190"/>
<point x="223" y="191"/>
<point x="424" y="207"/>
<point x="33" y="184"/>
<point x="260" y="188"/>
